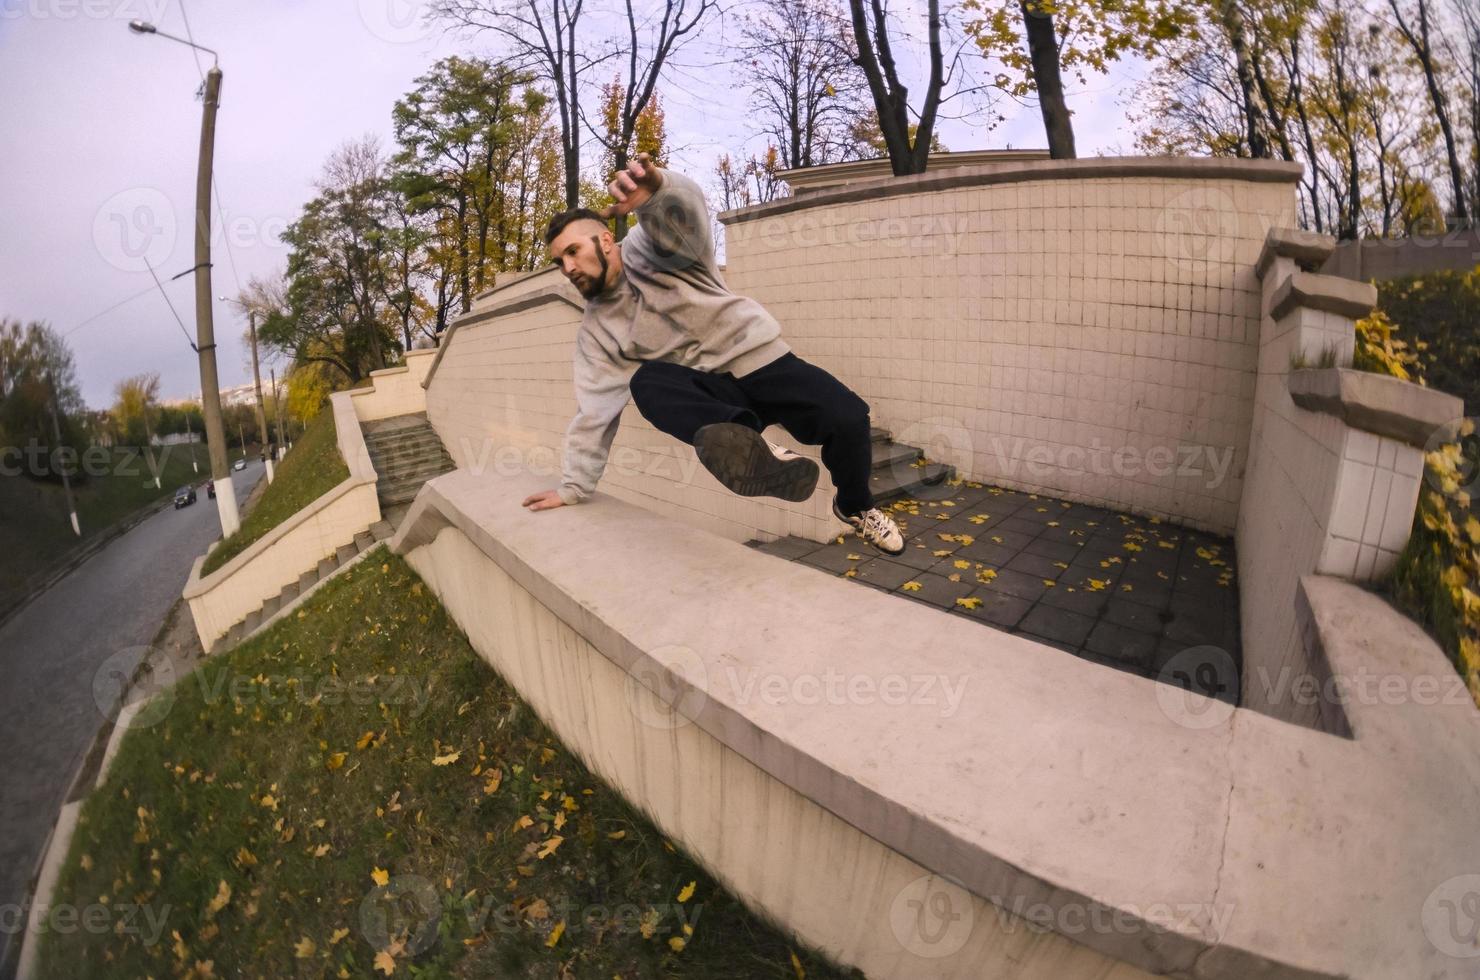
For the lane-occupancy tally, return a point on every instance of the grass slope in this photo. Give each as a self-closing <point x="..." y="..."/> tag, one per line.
<point x="312" y="468"/>
<point x="356" y="787"/>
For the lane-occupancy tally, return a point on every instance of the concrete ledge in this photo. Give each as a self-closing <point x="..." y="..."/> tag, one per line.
<point x="558" y="291"/>
<point x="1362" y="636"/>
<point x="57" y="847"/>
<point x="1328" y="293"/>
<point x="1309" y="250"/>
<point x="296" y="545"/>
<point x="809" y="180"/>
<point x="1089" y="168"/>
<point x="1375" y="403"/>
<point x="1053" y="781"/>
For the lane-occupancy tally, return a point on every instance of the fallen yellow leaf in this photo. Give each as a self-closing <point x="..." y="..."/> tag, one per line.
<point x="687" y="892"/>
<point x="380" y="876"/>
<point x="448" y="759"/>
<point x="223" y="896"/>
<point x="555" y="934"/>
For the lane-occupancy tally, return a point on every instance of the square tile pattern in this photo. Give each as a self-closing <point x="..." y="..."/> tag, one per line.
<point x="1123" y="591"/>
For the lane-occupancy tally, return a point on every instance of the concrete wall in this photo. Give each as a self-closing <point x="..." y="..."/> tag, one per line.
<point x="1390" y="258"/>
<point x="1322" y="494"/>
<point x="1030" y="320"/>
<point x="918" y="835"/>
<point x="397" y="390"/>
<point x="1087" y="328"/>
<point x="276" y="560"/>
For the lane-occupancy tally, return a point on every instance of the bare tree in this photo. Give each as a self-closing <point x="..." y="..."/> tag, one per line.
<point x="646" y="50"/>
<point x="875" y="56"/>
<point x="807" y="90"/>
<point x="1417" y="35"/>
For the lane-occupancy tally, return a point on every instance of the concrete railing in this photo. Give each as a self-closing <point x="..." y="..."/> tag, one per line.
<point x="922" y="797"/>
<point x="1335" y="464"/>
<point x="220" y="600"/>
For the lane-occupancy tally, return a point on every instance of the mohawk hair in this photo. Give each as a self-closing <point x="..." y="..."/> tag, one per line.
<point x="558" y="223"/>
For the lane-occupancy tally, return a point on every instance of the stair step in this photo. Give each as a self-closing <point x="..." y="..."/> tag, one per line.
<point x="270" y="607"/>
<point x="923" y="482"/>
<point x="325" y="569"/>
<point x="887" y="454"/>
<point x="413" y="462"/>
<point x="253" y="620"/>
<point x="395" y="498"/>
<point x="386" y="484"/>
<point x="363" y="540"/>
<point x="233" y="636"/>
<point x="405" y="460"/>
<point x="400" y="452"/>
<point x="381" y="530"/>
<point x="879" y="435"/>
<point x="343" y="554"/>
<point x="395" y="422"/>
<point x="428" y="439"/>
<point x="400" y="435"/>
<point x="306" y="581"/>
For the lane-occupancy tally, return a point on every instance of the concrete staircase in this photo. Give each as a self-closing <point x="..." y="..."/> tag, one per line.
<point x="255" y="620"/>
<point x="900" y="472"/>
<point x="406" y="453"/>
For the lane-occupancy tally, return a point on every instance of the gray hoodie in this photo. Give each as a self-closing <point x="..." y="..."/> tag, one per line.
<point x="669" y="304"/>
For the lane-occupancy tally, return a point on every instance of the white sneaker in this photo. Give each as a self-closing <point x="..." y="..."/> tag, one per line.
<point x="752" y="466"/>
<point x="875" y="527"/>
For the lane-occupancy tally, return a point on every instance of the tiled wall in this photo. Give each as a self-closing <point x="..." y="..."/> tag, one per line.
<point x="1093" y="338"/>
<point x="1015" y="327"/>
<point x="502" y="397"/>
<point x="1320" y="496"/>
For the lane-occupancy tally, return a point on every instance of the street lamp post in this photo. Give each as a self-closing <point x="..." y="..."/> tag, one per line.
<point x="277" y="412"/>
<point x="262" y="432"/>
<point x="205" y="334"/>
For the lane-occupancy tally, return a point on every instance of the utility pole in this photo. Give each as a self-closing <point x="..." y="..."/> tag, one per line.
<point x="205" y="332"/>
<point x="190" y="438"/>
<point x="56" y="438"/>
<point x="257" y="380"/>
<point x="205" y="329"/>
<point x="149" y="443"/>
<point x="241" y="436"/>
<point x="277" y="411"/>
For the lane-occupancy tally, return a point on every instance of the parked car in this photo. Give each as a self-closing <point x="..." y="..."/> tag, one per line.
<point x="211" y="488"/>
<point x="184" y="497"/>
<point x="241" y="464"/>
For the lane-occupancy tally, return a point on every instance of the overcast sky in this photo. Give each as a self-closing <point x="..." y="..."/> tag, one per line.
<point x="100" y="129"/>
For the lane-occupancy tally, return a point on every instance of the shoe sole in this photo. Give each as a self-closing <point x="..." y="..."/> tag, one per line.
<point x="739" y="459"/>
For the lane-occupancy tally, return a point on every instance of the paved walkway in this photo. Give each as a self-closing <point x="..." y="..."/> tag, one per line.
<point x="1130" y="592"/>
<point x="64" y="650"/>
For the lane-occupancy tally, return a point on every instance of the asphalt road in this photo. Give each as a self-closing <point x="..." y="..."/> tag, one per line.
<point x="53" y="651"/>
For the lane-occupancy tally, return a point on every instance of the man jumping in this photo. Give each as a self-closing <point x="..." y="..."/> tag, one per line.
<point x="703" y="365"/>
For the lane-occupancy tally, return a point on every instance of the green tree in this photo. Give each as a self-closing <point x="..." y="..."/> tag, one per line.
<point x="37" y="376"/>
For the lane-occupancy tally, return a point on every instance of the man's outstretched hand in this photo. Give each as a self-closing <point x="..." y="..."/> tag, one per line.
<point x="633" y="186"/>
<point x="543" y="500"/>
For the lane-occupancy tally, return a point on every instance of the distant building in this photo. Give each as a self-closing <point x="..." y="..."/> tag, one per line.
<point x="246" y="394"/>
